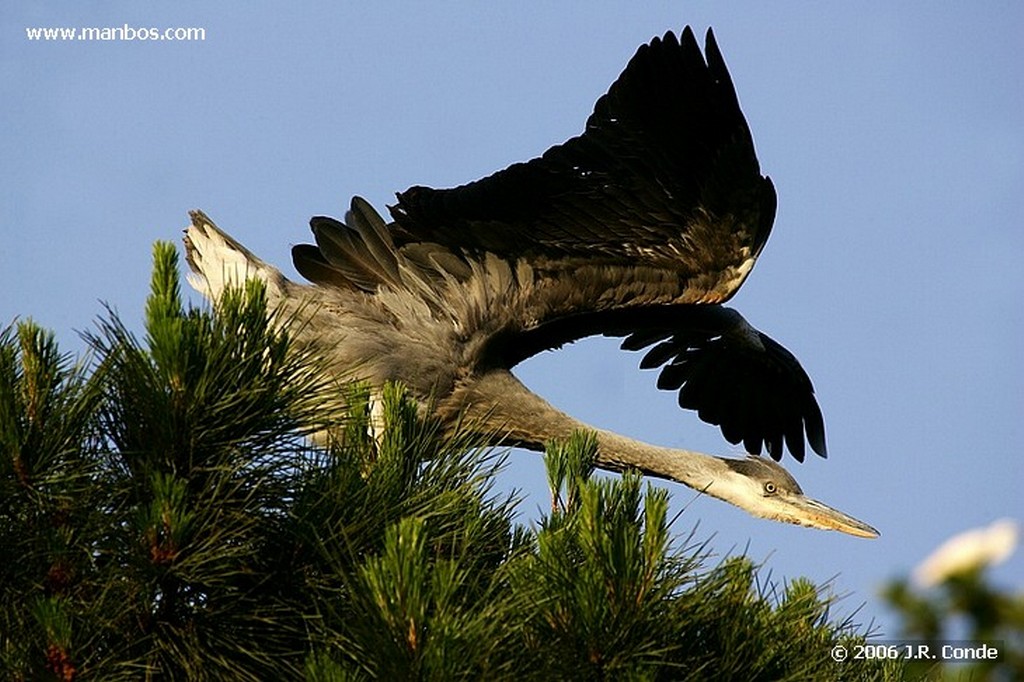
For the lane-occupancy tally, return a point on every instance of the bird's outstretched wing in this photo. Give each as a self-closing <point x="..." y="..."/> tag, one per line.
<point x="731" y="374"/>
<point x="664" y="175"/>
<point x="657" y="208"/>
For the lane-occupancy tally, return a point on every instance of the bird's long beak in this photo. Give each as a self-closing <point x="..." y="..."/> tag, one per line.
<point x="820" y="515"/>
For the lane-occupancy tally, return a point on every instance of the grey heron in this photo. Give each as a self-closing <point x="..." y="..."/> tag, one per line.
<point x="642" y="227"/>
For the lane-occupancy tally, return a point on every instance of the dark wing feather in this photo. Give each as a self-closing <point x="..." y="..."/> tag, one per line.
<point x="667" y="145"/>
<point x="757" y="392"/>
<point x="355" y="254"/>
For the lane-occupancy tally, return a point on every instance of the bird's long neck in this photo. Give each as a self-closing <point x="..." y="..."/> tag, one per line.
<point x="500" y="404"/>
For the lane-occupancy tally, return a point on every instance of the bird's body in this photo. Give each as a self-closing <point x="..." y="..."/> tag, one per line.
<point x="639" y="228"/>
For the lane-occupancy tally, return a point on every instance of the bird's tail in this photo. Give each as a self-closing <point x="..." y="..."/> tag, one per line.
<point x="218" y="261"/>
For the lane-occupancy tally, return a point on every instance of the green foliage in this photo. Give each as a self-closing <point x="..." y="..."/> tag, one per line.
<point x="402" y="548"/>
<point x="189" y="506"/>
<point x="140" y="500"/>
<point x="48" y="500"/>
<point x="600" y="585"/>
<point x="966" y="603"/>
<point x="607" y="596"/>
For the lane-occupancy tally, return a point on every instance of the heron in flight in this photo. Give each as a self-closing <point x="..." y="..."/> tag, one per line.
<point x="639" y="228"/>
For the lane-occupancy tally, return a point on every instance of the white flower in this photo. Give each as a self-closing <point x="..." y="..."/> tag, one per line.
<point x="970" y="550"/>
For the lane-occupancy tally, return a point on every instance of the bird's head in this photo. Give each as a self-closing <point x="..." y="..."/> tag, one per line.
<point x="763" y="488"/>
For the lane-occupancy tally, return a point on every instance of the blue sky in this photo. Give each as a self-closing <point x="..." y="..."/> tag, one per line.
<point x="893" y="133"/>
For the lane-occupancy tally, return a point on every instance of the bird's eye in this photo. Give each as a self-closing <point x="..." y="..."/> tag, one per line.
<point x="769" y="488"/>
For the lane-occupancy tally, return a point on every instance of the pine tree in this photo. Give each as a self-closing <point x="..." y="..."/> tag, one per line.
<point x="204" y="504"/>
